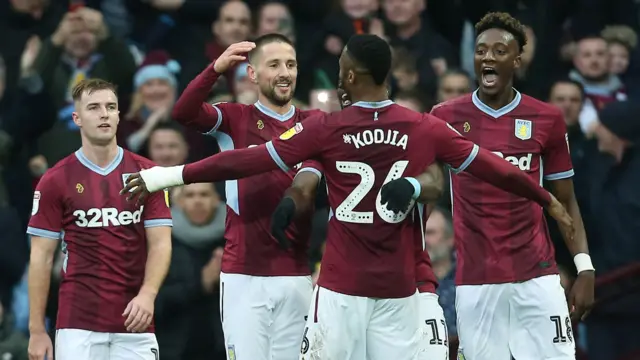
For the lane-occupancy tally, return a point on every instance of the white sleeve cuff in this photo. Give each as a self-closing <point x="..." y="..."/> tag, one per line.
<point x="416" y="187"/>
<point x="159" y="178"/>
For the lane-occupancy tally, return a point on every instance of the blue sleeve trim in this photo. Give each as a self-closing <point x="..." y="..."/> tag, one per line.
<point x="310" y="169"/>
<point x="158" y="222"/>
<point x="218" y="123"/>
<point x="276" y="158"/>
<point x="416" y="187"/>
<point x="559" y="176"/>
<point x="44" y="233"/>
<point x="468" y="160"/>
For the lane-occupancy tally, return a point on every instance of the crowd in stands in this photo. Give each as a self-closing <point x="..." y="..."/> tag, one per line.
<point x="581" y="55"/>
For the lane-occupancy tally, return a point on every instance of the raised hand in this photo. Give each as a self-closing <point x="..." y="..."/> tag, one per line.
<point x="234" y="54"/>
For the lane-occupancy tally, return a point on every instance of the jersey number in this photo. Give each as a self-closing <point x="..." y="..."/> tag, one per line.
<point x="345" y="212"/>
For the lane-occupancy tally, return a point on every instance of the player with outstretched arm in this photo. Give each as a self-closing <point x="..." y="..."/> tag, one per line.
<point x="506" y="262"/>
<point x="116" y="253"/>
<point x="365" y="301"/>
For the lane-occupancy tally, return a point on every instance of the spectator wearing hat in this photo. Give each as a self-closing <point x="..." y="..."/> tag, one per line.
<point x="154" y="96"/>
<point x="155" y="93"/>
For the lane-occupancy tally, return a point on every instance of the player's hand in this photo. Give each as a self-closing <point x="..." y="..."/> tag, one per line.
<point x="139" y="313"/>
<point x="40" y="346"/>
<point x="565" y="222"/>
<point x="234" y="54"/>
<point x="397" y="194"/>
<point x="581" y="296"/>
<point x="136" y="187"/>
<point x="280" y="221"/>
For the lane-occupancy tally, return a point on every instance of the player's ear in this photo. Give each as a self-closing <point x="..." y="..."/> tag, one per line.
<point x="251" y="72"/>
<point x="351" y="77"/>
<point x="517" y="61"/>
<point x="76" y="119"/>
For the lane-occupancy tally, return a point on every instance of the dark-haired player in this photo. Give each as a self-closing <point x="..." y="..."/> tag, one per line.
<point x="265" y="290"/>
<point x="509" y="300"/>
<point x="116" y="253"/>
<point x="365" y="302"/>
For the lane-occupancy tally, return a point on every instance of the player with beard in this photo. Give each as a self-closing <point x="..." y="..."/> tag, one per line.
<point x="365" y="301"/>
<point x="509" y="300"/>
<point x="265" y="288"/>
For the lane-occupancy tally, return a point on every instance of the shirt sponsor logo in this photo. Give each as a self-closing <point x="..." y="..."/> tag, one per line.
<point x="523" y="162"/>
<point x="95" y="218"/>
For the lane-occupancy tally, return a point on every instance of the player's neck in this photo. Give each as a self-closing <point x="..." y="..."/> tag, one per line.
<point x="281" y="110"/>
<point x="371" y="96"/>
<point x="100" y="155"/>
<point x="499" y="100"/>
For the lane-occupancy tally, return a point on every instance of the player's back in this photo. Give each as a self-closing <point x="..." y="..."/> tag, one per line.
<point x="103" y="237"/>
<point x="501" y="237"/>
<point x="370" y="250"/>
<point x="250" y="248"/>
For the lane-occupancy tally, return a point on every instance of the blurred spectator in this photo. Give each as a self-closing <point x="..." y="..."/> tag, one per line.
<point x="439" y="242"/>
<point x="80" y="47"/>
<point x="167" y="145"/>
<point x="233" y="25"/>
<point x="14" y="261"/>
<point x="615" y="203"/>
<point x="187" y="316"/>
<point x="526" y="59"/>
<point x="13" y="344"/>
<point x="453" y="83"/>
<point x="622" y="40"/>
<point x="410" y="30"/>
<point x="412" y="100"/>
<point x="155" y="93"/>
<point x="404" y="71"/>
<point x="275" y="17"/>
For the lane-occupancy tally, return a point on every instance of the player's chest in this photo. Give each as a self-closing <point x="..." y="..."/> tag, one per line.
<point x="506" y="136"/>
<point x="95" y="202"/>
<point x="264" y="129"/>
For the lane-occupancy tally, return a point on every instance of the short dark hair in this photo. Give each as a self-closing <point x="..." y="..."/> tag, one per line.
<point x="506" y="22"/>
<point x="170" y="125"/>
<point x="90" y="86"/>
<point x="571" y="82"/>
<point x="267" y="39"/>
<point x="371" y="53"/>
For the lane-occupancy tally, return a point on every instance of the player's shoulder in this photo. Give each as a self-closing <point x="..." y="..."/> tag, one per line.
<point x="445" y="106"/>
<point x="304" y="114"/>
<point x="61" y="166"/>
<point x="543" y="109"/>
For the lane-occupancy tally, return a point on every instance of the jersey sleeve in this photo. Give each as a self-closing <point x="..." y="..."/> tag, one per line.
<point x="312" y="166"/>
<point x="157" y="210"/>
<point x="225" y="116"/>
<point x="47" y="209"/>
<point x="301" y="142"/>
<point x="449" y="146"/>
<point x="556" y="156"/>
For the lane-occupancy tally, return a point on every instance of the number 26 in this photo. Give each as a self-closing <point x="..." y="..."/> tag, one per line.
<point x="345" y="212"/>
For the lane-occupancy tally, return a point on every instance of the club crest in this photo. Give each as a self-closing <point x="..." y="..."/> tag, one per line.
<point x="523" y="129"/>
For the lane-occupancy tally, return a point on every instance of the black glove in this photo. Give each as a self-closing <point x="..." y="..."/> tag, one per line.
<point x="280" y="221"/>
<point x="397" y="194"/>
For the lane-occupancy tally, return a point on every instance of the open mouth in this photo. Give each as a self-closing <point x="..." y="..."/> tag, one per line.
<point x="489" y="76"/>
<point x="104" y="126"/>
<point x="283" y="85"/>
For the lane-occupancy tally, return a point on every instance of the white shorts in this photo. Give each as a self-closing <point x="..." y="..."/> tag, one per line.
<point x="350" y="327"/>
<point x="263" y="317"/>
<point x="434" y="343"/>
<point x="74" y="344"/>
<point x="527" y="320"/>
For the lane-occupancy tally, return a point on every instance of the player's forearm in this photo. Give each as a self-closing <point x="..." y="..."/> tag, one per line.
<point x="303" y="192"/>
<point x="578" y="244"/>
<point x="191" y="109"/>
<point x="229" y="165"/>
<point x="431" y="184"/>
<point x="157" y="266"/>
<point x="39" y="281"/>
<point x="494" y="170"/>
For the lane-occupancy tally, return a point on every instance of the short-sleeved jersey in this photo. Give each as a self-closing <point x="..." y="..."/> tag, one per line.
<point x="370" y="251"/>
<point x="250" y="248"/>
<point x="501" y="237"/>
<point x="103" y="237"/>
